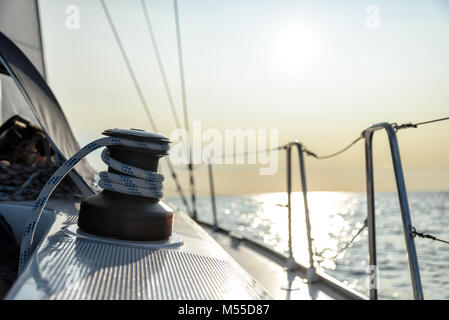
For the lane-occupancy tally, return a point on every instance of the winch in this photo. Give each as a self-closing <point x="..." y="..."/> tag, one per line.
<point x="129" y="207"/>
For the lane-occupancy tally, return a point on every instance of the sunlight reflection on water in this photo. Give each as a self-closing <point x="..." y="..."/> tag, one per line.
<point x="335" y="217"/>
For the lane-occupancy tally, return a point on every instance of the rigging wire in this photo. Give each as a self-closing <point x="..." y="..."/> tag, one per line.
<point x="128" y="65"/>
<point x="140" y="94"/>
<point x="178" y="185"/>
<point x="160" y="64"/>
<point x="186" y="122"/>
<point x="181" y="65"/>
<point x="167" y="91"/>
<point x="185" y="107"/>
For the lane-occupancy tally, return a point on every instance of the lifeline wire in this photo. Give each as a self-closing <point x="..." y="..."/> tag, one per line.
<point x="415" y="125"/>
<point x="253" y="152"/>
<point x="136" y="182"/>
<point x="395" y="126"/>
<point x="313" y="154"/>
<point x="320" y="254"/>
<point x="426" y="236"/>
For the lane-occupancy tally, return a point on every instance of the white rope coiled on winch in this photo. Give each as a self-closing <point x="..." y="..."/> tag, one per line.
<point x="138" y="182"/>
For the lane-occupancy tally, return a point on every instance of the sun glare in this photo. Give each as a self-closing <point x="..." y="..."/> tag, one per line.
<point x="296" y="48"/>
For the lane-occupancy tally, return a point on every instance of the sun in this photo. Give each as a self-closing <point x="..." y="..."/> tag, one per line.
<point x="296" y="48"/>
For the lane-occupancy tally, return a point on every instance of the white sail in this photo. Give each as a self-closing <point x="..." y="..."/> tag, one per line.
<point x="19" y="21"/>
<point x="23" y="87"/>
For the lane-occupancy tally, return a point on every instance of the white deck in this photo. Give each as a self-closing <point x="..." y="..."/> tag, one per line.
<point x="208" y="265"/>
<point x="271" y="273"/>
<point x="67" y="266"/>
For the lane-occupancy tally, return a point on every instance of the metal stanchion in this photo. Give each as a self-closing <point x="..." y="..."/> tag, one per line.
<point x="212" y="195"/>
<point x="405" y="211"/>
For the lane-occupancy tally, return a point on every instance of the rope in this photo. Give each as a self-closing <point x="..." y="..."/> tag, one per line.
<point x="142" y="183"/>
<point x="23" y="182"/>
<point x="140" y="94"/>
<point x="426" y="236"/>
<point x="136" y="182"/>
<point x="415" y="125"/>
<point x="320" y="254"/>
<point x="28" y="181"/>
<point x="313" y="154"/>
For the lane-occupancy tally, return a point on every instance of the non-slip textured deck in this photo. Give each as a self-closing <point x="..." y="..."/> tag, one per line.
<point x="104" y="271"/>
<point x="67" y="266"/>
<point x="271" y="273"/>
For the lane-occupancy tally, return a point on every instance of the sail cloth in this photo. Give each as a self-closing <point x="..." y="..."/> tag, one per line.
<point x="12" y="102"/>
<point x="19" y="21"/>
<point x="46" y="109"/>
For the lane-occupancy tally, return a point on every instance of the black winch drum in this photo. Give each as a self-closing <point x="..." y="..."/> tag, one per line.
<point x="128" y="217"/>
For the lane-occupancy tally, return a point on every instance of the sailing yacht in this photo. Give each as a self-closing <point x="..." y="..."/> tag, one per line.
<point x="73" y="233"/>
<point x="69" y="263"/>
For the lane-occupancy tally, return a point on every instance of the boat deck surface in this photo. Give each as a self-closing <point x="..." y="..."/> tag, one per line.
<point x="270" y="271"/>
<point x="71" y="265"/>
<point x="68" y="264"/>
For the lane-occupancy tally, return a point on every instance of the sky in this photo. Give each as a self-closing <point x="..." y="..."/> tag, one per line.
<point x="317" y="71"/>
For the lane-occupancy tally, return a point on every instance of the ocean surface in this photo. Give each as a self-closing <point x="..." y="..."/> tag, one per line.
<point x="335" y="218"/>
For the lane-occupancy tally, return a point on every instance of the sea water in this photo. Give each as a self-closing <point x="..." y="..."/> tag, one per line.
<point x="335" y="218"/>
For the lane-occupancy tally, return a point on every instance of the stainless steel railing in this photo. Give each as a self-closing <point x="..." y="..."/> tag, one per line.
<point x="212" y="194"/>
<point x="405" y="211"/>
<point x="402" y="193"/>
<point x="311" y="271"/>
